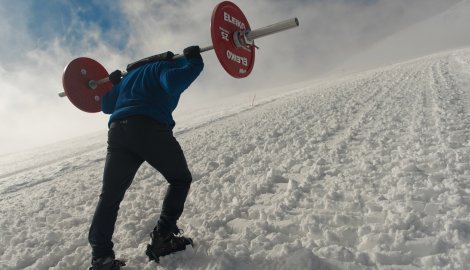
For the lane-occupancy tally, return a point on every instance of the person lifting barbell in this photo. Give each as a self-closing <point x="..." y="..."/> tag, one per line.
<point x="140" y="129"/>
<point x="140" y="101"/>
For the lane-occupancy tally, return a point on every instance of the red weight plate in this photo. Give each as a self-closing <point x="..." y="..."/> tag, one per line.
<point x="227" y="18"/>
<point x="75" y="80"/>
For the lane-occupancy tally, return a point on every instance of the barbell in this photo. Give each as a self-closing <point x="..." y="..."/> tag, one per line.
<point x="85" y="80"/>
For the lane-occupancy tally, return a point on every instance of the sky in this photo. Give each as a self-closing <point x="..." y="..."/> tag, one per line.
<point x="39" y="38"/>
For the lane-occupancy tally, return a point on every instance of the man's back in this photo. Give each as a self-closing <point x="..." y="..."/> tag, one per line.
<point x="152" y="90"/>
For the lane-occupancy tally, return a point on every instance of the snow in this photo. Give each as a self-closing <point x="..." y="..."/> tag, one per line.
<point x="440" y="32"/>
<point x="365" y="171"/>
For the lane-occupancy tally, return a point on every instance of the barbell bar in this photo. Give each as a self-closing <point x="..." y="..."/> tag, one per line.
<point x="243" y="37"/>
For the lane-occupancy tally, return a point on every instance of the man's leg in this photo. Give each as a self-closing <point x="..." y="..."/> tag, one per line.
<point x="119" y="171"/>
<point x="165" y="155"/>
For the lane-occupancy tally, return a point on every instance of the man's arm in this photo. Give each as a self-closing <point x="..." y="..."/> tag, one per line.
<point x="108" y="101"/>
<point x="176" y="80"/>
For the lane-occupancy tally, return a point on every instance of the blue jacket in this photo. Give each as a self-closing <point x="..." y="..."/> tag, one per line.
<point x="152" y="90"/>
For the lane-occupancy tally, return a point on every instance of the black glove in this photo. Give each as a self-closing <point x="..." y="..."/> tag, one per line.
<point x="192" y="52"/>
<point x="115" y="77"/>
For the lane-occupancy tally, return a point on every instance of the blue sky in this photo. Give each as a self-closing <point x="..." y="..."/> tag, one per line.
<point x="66" y="21"/>
<point x="39" y="38"/>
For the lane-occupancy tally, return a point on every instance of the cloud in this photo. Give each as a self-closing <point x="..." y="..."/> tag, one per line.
<point x="35" y="47"/>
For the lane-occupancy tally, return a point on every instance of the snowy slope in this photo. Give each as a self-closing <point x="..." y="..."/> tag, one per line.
<point x="369" y="171"/>
<point x="448" y="30"/>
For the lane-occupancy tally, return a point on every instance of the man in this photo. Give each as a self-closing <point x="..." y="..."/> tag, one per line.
<point x="140" y="129"/>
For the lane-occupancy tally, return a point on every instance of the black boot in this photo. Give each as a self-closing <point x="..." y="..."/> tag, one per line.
<point x="165" y="243"/>
<point x="107" y="263"/>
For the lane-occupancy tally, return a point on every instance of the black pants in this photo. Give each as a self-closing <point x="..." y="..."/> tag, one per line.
<point x="131" y="142"/>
